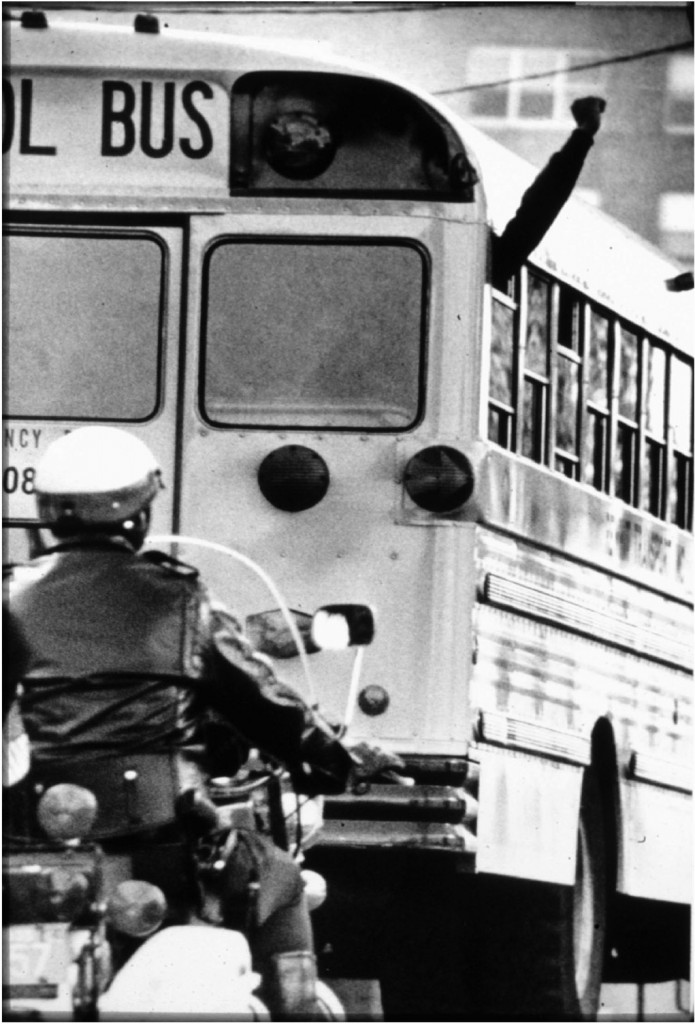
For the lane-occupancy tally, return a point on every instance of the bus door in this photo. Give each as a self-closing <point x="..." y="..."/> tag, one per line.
<point x="310" y="376"/>
<point x="91" y="336"/>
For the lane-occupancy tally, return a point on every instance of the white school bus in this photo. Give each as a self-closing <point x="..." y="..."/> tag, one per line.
<point x="276" y="272"/>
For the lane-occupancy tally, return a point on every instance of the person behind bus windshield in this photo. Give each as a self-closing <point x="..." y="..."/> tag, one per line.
<point x="543" y="200"/>
<point x="129" y="668"/>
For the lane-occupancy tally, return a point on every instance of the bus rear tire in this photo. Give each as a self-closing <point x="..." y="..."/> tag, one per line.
<point x="542" y="946"/>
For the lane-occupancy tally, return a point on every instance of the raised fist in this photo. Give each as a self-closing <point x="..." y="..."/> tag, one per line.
<point x="587" y="113"/>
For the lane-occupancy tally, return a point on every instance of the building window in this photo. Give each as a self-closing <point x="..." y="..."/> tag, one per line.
<point x="676" y="225"/>
<point x="521" y="98"/>
<point x="679" y="93"/>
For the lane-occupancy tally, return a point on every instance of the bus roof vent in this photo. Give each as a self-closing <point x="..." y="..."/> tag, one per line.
<point x="146" y="23"/>
<point x="34" y="19"/>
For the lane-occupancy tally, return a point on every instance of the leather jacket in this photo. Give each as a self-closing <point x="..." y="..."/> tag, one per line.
<point x="129" y="654"/>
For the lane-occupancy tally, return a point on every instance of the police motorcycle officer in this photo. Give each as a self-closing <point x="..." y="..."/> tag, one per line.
<point x="139" y="686"/>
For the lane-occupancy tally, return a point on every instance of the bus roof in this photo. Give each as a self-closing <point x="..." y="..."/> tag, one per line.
<point x="161" y="48"/>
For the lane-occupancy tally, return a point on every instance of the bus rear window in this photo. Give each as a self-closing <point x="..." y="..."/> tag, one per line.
<point x="311" y="334"/>
<point x="82" y="326"/>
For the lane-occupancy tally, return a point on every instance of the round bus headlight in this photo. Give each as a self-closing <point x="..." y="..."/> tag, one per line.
<point x="439" y="479"/>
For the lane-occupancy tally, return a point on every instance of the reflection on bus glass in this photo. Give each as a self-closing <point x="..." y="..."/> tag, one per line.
<point x="628" y="374"/>
<point x="682" y="404"/>
<point x="598" y="361"/>
<point x="83" y="311"/>
<point x="538" y="331"/>
<point x="567" y="398"/>
<point x="655" y="398"/>
<point x="501" y="362"/>
<point x="313" y="334"/>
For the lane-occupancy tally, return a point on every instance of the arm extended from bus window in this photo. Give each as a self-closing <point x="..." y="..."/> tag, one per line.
<point x="543" y="200"/>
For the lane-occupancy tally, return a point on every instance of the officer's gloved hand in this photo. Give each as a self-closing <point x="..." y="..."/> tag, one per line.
<point x="587" y="113"/>
<point x="372" y="763"/>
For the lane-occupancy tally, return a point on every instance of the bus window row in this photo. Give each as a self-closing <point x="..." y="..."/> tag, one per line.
<point x="580" y="390"/>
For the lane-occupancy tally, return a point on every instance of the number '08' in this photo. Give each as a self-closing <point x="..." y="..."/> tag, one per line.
<point x="14" y="480"/>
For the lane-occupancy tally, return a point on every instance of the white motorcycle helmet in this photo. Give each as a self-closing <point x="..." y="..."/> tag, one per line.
<point x="95" y="477"/>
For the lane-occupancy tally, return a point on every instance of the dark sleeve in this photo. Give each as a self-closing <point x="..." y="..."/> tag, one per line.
<point x="15" y="659"/>
<point x="540" y="205"/>
<point x="242" y="686"/>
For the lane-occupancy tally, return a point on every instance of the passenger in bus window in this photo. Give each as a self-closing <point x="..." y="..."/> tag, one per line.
<point x="544" y="199"/>
<point x="131" y="668"/>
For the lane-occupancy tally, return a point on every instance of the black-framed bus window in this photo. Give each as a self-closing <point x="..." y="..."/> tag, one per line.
<point x="597" y="398"/>
<point x="535" y="355"/>
<point x="566" y="381"/>
<point x="680" y="419"/>
<point x="654" y="394"/>
<point x="597" y="434"/>
<point x="314" y="333"/>
<point x="83" y="324"/>
<point x="627" y="436"/>
<point x="502" y="394"/>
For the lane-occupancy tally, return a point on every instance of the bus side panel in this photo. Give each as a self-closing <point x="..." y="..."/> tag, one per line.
<point x="557" y="648"/>
<point x="656" y="847"/>
<point x="528" y="813"/>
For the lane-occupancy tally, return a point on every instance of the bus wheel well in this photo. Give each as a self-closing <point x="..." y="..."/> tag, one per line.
<point x="604" y="763"/>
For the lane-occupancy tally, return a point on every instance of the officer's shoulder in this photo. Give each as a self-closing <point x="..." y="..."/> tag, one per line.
<point x="170" y="564"/>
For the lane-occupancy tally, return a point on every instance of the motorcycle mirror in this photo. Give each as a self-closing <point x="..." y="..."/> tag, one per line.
<point x="337" y="626"/>
<point x="67" y="811"/>
<point x="270" y="634"/>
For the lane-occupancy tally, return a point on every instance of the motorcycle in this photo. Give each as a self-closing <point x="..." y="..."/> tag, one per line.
<point x="86" y="939"/>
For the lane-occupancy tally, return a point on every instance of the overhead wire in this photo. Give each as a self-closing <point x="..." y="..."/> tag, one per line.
<point x="621" y="59"/>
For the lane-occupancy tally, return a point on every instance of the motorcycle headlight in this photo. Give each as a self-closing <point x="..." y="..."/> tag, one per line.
<point x="136" y="908"/>
<point x="67" y="811"/>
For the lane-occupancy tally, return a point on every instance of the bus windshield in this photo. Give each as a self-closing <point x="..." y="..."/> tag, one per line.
<point x="313" y="334"/>
<point x="82" y="312"/>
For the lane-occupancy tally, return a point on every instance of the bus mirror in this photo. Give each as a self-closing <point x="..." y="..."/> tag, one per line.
<point x="337" y="626"/>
